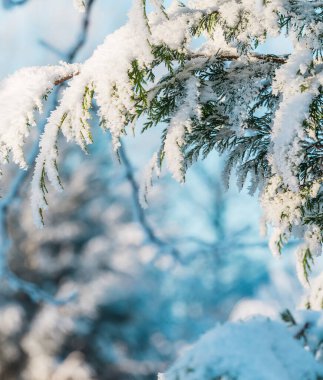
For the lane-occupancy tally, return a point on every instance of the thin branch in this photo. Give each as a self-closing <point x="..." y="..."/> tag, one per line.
<point x="52" y="48"/>
<point x="64" y="79"/>
<point x="302" y="332"/>
<point x="139" y="211"/>
<point x="84" y="32"/>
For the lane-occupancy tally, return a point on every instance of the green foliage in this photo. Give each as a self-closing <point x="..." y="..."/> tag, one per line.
<point x="206" y="23"/>
<point x="287" y="317"/>
<point x="138" y="77"/>
<point x="164" y="103"/>
<point x="313" y="209"/>
<point x="235" y="107"/>
<point x="247" y="152"/>
<point x="168" y="57"/>
<point x="307" y="262"/>
<point x="311" y="168"/>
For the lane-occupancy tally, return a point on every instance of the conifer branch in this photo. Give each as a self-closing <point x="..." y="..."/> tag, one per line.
<point x="6" y="274"/>
<point x="279" y="59"/>
<point x="220" y="57"/>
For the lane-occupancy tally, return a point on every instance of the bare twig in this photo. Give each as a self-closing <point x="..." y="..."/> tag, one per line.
<point x="64" y="79"/>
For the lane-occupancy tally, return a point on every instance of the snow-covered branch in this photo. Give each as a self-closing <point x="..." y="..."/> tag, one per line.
<point x="263" y="110"/>
<point x="222" y="352"/>
<point x="29" y="87"/>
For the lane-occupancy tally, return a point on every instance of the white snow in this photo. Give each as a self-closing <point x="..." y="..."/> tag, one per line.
<point x="252" y="350"/>
<point x="80" y="5"/>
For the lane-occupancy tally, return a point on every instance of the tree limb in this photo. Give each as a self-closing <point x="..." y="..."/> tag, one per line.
<point x="6" y="274"/>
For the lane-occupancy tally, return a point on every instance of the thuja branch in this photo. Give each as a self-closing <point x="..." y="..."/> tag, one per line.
<point x="6" y="274"/>
<point x="197" y="61"/>
<point x="279" y="59"/>
<point x="192" y="62"/>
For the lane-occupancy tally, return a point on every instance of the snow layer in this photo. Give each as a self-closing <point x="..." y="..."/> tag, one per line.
<point x="253" y="350"/>
<point x="79" y="5"/>
<point x="179" y="125"/>
<point x="21" y="95"/>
